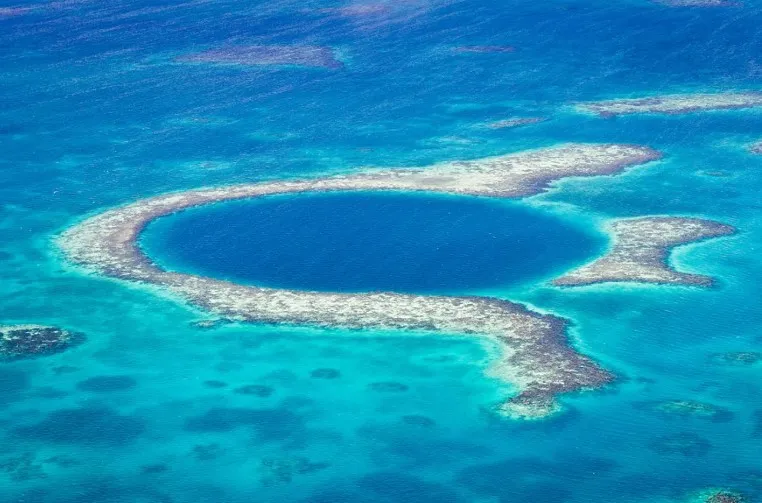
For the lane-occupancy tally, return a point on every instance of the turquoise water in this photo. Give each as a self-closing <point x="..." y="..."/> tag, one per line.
<point x="370" y="242"/>
<point x="96" y="114"/>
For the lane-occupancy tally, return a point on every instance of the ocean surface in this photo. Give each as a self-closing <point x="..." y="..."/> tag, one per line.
<point x="95" y="112"/>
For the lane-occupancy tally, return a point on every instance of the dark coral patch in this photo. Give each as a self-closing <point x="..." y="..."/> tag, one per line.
<point x="64" y="369"/>
<point x="758" y="423"/>
<point x="283" y="470"/>
<point x="534" y="479"/>
<point x="62" y="461"/>
<point x="686" y="409"/>
<point x="22" y="468"/>
<point x="31" y="341"/>
<point x="259" y="390"/>
<point x="49" y="392"/>
<point x="13" y="381"/>
<point x="106" y="384"/>
<point x="98" y="426"/>
<point x="111" y="491"/>
<point x="214" y="384"/>
<point x="419" y="420"/>
<point x="687" y="444"/>
<point x="736" y="358"/>
<point x="388" y="387"/>
<point x="154" y="469"/>
<point x="325" y="373"/>
<point x="269" y="424"/>
<point x="206" y="452"/>
<point x="402" y="487"/>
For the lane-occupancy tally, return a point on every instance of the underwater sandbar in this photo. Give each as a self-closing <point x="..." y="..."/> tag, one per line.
<point x="533" y="352"/>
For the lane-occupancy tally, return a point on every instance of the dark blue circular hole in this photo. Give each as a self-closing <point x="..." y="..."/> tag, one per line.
<point x="369" y="241"/>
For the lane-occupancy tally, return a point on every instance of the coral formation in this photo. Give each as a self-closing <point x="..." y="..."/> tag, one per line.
<point x="640" y="250"/>
<point x="31" y="341"/>
<point x="515" y="122"/>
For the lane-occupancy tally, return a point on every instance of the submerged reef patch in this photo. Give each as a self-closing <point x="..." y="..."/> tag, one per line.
<point x="259" y="390"/>
<point x="673" y="104"/>
<point x="640" y="250"/>
<point x="718" y="496"/>
<point x="91" y="426"/>
<point x="257" y="55"/>
<point x="31" y="341"/>
<point x="106" y="384"/>
<point x="687" y="444"/>
<point x="756" y="148"/>
<point x="283" y="470"/>
<point x="325" y="373"/>
<point x="535" y="354"/>
<point x="687" y="408"/>
<point x="514" y="122"/>
<point x="736" y="358"/>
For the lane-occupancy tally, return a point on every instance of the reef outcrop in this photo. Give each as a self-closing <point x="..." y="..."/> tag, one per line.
<point x="514" y="122"/>
<point x="31" y="341"/>
<point x="687" y="409"/>
<point x="297" y="55"/>
<point x="719" y="496"/>
<point x="534" y="355"/>
<point x="673" y="104"/>
<point x="640" y="250"/>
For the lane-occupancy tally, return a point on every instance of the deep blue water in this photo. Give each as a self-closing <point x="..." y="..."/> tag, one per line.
<point x="370" y="242"/>
<point x="94" y="113"/>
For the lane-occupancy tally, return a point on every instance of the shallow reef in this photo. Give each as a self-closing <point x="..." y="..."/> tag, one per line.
<point x="673" y="104"/>
<point x="640" y="250"/>
<point x="514" y="122"/>
<point x="32" y="341"/>
<point x="719" y="496"/>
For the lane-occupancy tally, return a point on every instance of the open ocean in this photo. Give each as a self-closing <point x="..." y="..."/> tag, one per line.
<point x="96" y="111"/>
